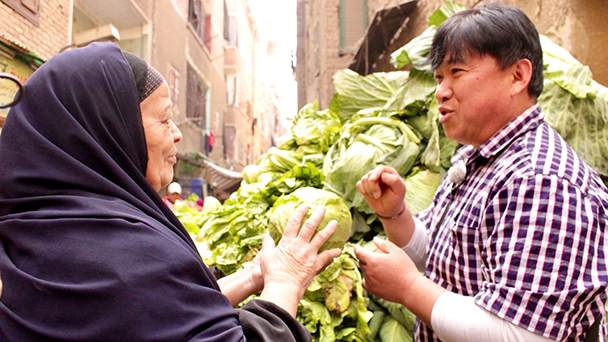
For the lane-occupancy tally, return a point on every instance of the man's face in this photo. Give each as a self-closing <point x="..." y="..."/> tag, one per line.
<point x="473" y="97"/>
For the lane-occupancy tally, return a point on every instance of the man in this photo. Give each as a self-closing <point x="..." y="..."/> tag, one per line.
<point x="513" y="244"/>
<point x="174" y="193"/>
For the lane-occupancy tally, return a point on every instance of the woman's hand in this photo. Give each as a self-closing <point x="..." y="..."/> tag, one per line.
<point x="384" y="190"/>
<point x="240" y="285"/>
<point x="289" y="268"/>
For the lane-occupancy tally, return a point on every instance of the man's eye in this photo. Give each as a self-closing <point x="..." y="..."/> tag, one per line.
<point x="438" y="78"/>
<point x="455" y="70"/>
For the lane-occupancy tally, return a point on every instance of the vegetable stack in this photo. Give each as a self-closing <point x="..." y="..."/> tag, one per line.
<point x="388" y="118"/>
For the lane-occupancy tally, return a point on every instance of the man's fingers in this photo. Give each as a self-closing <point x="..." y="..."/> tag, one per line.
<point x="363" y="255"/>
<point x="364" y="284"/>
<point x="293" y="225"/>
<point x="394" y="181"/>
<point x="384" y="245"/>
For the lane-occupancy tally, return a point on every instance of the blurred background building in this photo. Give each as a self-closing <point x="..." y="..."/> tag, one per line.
<point x="218" y="56"/>
<point x="361" y="35"/>
<point x="232" y="65"/>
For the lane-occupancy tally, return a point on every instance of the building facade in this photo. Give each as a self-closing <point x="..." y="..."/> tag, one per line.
<point x="211" y="52"/>
<point x="332" y="32"/>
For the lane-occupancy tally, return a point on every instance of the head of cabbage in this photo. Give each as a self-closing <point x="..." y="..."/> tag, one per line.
<point x="335" y="209"/>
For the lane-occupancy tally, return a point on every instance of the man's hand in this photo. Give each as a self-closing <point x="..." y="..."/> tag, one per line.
<point x="388" y="274"/>
<point x="393" y="276"/>
<point x="384" y="190"/>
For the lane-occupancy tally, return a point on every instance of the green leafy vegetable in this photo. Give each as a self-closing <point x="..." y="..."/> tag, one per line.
<point x="335" y="209"/>
<point x="355" y="92"/>
<point x="365" y="144"/>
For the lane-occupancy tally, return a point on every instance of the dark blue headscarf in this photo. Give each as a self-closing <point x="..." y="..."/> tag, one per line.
<point x="89" y="252"/>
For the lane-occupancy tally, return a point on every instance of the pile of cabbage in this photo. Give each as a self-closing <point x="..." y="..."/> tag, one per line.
<point x="388" y="118"/>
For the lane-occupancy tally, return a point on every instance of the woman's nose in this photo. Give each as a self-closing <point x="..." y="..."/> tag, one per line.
<point x="177" y="134"/>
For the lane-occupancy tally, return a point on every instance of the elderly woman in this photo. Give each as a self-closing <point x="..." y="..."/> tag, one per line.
<point x="89" y="251"/>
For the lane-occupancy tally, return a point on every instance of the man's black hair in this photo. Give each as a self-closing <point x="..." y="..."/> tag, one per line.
<point x="503" y="32"/>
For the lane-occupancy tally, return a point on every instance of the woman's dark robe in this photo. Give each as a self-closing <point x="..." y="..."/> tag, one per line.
<point x="89" y="252"/>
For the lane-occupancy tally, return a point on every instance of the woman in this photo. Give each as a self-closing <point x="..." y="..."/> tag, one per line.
<point x="89" y="250"/>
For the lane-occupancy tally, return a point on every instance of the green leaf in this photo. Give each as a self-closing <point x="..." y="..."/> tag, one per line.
<point x="583" y="123"/>
<point x="392" y="331"/>
<point x="338" y="293"/>
<point x="446" y="10"/>
<point x="415" y="51"/>
<point x="421" y="185"/>
<point x="355" y="92"/>
<point x="365" y="144"/>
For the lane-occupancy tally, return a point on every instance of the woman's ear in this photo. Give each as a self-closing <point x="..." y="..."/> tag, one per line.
<point x="521" y="72"/>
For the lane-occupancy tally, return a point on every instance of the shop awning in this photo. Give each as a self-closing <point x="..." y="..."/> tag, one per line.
<point x="221" y="178"/>
<point x="218" y="177"/>
<point x="379" y="35"/>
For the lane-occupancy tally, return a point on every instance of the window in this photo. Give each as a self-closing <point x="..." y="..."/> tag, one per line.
<point x="232" y="89"/>
<point x="196" y="99"/>
<point x="173" y="81"/>
<point x="199" y="16"/>
<point x="233" y="33"/>
<point x="230" y="141"/>
<point x="226" y="22"/>
<point x="353" y="22"/>
<point x="29" y="9"/>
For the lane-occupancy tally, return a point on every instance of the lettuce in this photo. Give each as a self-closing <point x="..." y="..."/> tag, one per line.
<point x="335" y="209"/>
<point x="365" y="144"/>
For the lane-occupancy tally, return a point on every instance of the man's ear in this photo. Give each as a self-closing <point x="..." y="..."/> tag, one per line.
<point x="521" y="72"/>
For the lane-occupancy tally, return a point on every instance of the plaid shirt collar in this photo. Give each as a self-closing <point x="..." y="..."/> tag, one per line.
<point x="526" y="121"/>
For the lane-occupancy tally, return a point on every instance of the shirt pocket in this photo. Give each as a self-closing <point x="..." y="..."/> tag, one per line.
<point x="464" y="236"/>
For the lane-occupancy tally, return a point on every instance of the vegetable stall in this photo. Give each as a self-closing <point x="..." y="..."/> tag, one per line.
<point x="388" y="118"/>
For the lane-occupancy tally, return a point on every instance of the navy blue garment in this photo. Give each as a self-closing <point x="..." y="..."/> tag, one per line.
<point x="89" y="252"/>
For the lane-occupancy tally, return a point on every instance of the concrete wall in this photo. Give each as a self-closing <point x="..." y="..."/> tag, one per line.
<point x="176" y="46"/>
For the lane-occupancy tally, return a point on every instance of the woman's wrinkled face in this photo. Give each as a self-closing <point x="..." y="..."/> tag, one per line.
<point x="161" y="136"/>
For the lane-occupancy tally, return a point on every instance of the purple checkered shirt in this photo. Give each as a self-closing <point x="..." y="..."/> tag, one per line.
<point x="524" y="232"/>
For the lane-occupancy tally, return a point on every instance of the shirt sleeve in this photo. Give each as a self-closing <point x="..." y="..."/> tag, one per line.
<point x="263" y="321"/>
<point x="457" y="318"/>
<point x="416" y="247"/>
<point x="543" y="257"/>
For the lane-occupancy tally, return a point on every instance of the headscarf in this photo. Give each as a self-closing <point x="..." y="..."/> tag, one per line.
<point x="147" y="79"/>
<point x="89" y="252"/>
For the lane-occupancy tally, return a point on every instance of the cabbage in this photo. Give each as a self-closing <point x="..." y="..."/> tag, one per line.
<point x="355" y="92"/>
<point x="335" y="209"/>
<point x="313" y="131"/>
<point x="421" y="186"/>
<point x="367" y="143"/>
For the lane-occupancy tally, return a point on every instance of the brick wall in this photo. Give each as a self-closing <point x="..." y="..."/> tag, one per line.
<point x="48" y="37"/>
